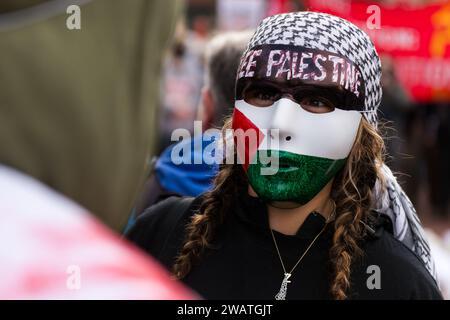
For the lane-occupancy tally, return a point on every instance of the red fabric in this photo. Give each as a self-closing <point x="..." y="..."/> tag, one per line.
<point x="50" y="248"/>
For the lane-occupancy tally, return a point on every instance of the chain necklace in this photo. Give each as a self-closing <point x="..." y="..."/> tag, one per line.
<point x="281" y="295"/>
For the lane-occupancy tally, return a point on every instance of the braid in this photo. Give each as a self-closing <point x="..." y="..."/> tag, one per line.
<point x="353" y="196"/>
<point x="352" y="192"/>
<point x="201" y="229"/>
<point x="344" y="249"/>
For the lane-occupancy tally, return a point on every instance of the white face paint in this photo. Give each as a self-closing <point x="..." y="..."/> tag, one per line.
<point x="324" y="135"/>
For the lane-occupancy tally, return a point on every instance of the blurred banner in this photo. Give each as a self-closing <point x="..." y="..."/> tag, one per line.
<point x="279" y="6"/>
<point x="247" y="14"/>
<point x="418" y="39"/>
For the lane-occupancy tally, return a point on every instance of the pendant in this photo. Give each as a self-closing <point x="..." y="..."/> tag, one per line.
<point x="281" y="295"/>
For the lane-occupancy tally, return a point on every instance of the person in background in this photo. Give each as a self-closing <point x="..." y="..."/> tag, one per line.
<point x="222" y="58"/>
<point x="436" y="148"/>
<point x="436" y="151"/>
<point x="394" y="107"/>
<point x="76" y="112"/>
<point x="180" y="87"/>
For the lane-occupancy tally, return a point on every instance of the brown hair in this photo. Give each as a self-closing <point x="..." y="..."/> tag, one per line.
<point x="352" y="192"/>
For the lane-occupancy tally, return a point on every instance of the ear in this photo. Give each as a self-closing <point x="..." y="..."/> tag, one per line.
<point x="207" y="108"/>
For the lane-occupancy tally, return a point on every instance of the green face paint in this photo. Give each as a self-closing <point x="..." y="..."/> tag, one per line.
<point x="299" y="178"/>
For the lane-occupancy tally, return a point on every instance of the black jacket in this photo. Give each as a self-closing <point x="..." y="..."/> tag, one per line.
<point x="244" y="263"/>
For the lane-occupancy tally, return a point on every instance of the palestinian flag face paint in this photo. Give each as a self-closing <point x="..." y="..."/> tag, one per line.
<point x="303" y="149"/>
<point x="312" y="148"/>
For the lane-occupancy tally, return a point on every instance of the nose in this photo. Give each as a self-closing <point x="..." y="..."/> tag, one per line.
<point x="285" y="119"/>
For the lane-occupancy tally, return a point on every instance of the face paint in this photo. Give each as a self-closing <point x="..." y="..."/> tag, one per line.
<point x="312" y="148"/>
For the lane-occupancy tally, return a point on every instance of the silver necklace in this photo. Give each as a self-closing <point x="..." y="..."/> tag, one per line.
<point x="281" y="295"/>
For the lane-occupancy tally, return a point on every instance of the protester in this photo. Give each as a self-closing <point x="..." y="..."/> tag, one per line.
<point x="331" y="213"/>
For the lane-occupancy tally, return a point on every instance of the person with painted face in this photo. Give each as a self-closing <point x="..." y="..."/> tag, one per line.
<point x="309" y="210"/>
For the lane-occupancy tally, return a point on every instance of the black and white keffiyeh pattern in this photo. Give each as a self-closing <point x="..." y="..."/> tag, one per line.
<point x="394" y="203"/>
<point x="322" y="31"/>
